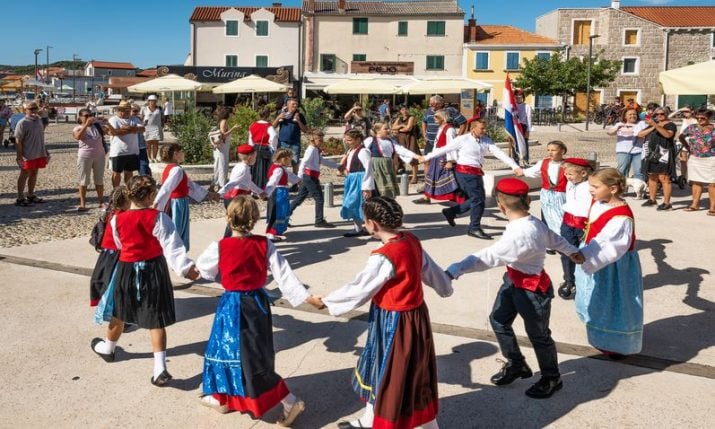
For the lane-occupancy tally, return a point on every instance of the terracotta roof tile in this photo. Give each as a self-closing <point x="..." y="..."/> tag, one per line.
<point x="147" y="73"/>
<point x="676" y="16"/>
<point x="507" y="35"/>
<point x="213" y="13"/>
<point x="390" y="7"/>
<point x="112" y="65"/>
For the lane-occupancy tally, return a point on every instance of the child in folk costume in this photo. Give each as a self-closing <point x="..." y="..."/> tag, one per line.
<point x="469" y="150"/>
<point x="239" y="363"/>
<point x="440" y="183"/>
<point x="240" y="182"/>
<point x="264" y="138"/>
<point x="176" y="188"/>
<point x="279" y="177"/>
<point x="526" y="291"/>
<point x="309" y="173"/>
<point x="396" y="374"/>
<point x="109" y="254"/>
<point x="143" y="294"/>
<point x="609" y="284"/>
<point x="553" y="185"/>
<point x="382" y="148"/>
<point x="358" y="183"/>
<point x="578" y="201"/>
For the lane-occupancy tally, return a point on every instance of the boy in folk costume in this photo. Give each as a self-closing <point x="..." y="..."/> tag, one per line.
<point x="526" y="290"/>
<point x="578" y="201"/>
<point x="609" y="284"/>
<point x="239" y="363"/>
<point x="396" y="374"/>
<point x="240" y="182"/>
<point x="279" y="178"/>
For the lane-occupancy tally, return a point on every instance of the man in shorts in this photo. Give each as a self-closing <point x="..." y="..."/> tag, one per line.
<point x="31" y="154"/>
<point x="124" y="145"/>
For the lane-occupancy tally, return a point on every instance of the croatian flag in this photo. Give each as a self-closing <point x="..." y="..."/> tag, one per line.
<point x="511" y="119"/>
<point x="38" y="75"/>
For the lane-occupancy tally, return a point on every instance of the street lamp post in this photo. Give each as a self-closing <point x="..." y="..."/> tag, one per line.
<point x="47" y="63"/>
<point x="588" y="76"/>
<point x="75" y="58"/>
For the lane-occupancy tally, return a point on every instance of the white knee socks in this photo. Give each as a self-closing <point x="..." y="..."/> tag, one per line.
<point x="431" y="425"/>
<point x="366" y="419"/>
<point x="159" y="363"/>
<point x="105" y="347"/>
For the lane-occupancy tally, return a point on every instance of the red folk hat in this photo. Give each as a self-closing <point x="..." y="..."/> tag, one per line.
<point x="578" y="161"/>
<point x="245" y="149"/>
<point x="512" y="186"/>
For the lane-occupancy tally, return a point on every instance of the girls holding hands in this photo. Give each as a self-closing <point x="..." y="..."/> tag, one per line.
<point x="553" y="184"/>
<point x="277" y="190"/>
<point x="240" y="182"/>
<point x="358" y="183"/>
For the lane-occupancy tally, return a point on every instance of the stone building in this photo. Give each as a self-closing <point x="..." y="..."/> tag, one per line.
<point x="647" y="40"/>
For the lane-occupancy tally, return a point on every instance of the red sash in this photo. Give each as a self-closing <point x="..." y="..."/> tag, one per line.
<point x="467" y="169"/>
<point x="575" y="221"/>
<point x="312" y="173"/>
<point x="234" y="193"/>
<point x="531" y="282"/>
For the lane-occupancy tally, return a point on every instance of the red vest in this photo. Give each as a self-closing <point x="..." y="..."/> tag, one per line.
<point x="259" y="133"/>
<point x="283" y="181"/>
<point x="442" y="140"/>
<point x="108" y="237"/>
<point x="594" y="228"/>
<point x="134" y="228"/>
<point x="242" y="262"/>
<point x="403" y="292"/>
<point x="560" y="185"/>
<point x="182" y="189"/>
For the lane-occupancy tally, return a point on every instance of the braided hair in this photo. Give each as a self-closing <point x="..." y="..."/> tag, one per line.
<point x="141" y="187"/>
<point x="383" y="210"/>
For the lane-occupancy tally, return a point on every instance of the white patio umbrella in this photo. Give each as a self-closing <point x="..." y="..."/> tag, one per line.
<point x="38" y="83"/>
<point x="696" y="79"/>
<point x="250" y="84"/>
<point x="443" y="85"/>
<point x="170" y="82"/>
<point x="363" y="85"/>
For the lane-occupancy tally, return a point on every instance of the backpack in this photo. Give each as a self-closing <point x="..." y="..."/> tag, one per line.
<point x="95" y="238"/>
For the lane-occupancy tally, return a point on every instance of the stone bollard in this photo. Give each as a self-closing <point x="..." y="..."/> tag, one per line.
<point x="592" y="156"/>
<point x="329" y="194"/>
<point x="404" y="185"/>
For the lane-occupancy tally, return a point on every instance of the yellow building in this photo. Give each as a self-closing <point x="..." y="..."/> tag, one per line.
<point x="492" y="51"/>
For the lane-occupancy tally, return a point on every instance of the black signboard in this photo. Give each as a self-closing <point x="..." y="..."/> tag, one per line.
<point x="282" y="74"/>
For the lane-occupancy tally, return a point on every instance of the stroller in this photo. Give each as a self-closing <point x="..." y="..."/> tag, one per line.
<point x="14" y="119"/>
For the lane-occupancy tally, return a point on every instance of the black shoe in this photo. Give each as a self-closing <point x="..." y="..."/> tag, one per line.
<point x="509" y="373"/>
<point x="544" y="388"/>
<point x="347" y="425"/>
<point x="478" y="233"/>
<point x="324" y="224"/>
<point x="449" y="216"/>
<point x="567" y="290"/>
<point x="550" y="251"/>
<point x="162" y="379"/>
<point x="421" y="201"/>
<point x="361" y="233"/>
<point x="106" y="357"/>
<point x="23" y="202"/>
<point x="664" y="207"/>
<point x="649" y="203"/>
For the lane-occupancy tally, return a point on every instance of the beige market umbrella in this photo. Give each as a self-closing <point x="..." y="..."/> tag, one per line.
<point x="443" y="85"/>
<point x="696" y="79"/>
<point x="363" y="85"/>
<point x="250" y="84"/>
<point x="168" y="83"/>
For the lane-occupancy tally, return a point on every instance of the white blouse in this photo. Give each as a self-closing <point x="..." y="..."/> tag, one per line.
<point x="610" y="244"/>
<point x="276" y="177"/>
<point x="578" y="199"/>
<point x="552" y="171"/>
<point x="312" y="159"/>
<point x="470" y="151"/>
<point x="196" y="192"/>
<point x="364" y="156"/>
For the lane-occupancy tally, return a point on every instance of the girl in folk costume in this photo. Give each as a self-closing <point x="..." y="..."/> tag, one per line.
<point x="553" y="185"/>
<point x="109" y="254"/>
<point x="143" y="293"/>
<point x="358" y="183"/>
<point x="578" y="201"/>
<point x="240" y="182"/>
<point x="239" y="363"/>
<point x="382" y="149"/>
<point x="279" y="177"/>
<point x="176" y="188"/>
<point x="264" y="138"/>
<point x="609" y="284"/>
<point x="440" y="183"/>
<point x="396" y="374"/>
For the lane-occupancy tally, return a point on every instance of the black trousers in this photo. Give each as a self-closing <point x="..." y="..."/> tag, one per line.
<point x="535" y="309"/>
<point x="311" y="187"/>
<point x="573" y="236"/>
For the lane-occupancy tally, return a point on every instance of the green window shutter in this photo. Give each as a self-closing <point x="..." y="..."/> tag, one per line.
<point x="359" y="25"/>
<point x="261" y="61"/>
<point x="231" y="60"/>
<point x="232" y="28"/>
<point x="359" y="57"/>
<point x="435" y="62"/>
<point x="262" y="28"/>
<point x="402" y="28"/>
<point x="435" y="28"/>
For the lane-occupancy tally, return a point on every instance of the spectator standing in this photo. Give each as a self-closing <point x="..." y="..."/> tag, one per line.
<point x="43" y="112"/>
<point x="628" y="145"/>
<point x="5" y="113"/>
<point x="698" y="139"/>
<point x="222" y="149"/>
<point x="524" y="113"/>
<point x="430" y="126"/>
<point x="124" y="145"/>
<point x="407" y="131"/>
<point x="144" y="168"/>
<point x="290" y="124"/>
<point x="660" y="157"/>
<point x="153" y="119"/>
<point x="168" y="111"/>
<point x="384" y="109"/>
<point x="90" y="157"/>
<point x="633" y="104"/>
<point x="31" y="154"/>
<point x="355" y="118"/>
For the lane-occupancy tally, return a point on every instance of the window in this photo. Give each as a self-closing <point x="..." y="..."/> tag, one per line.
<point x="512" y="61"/>
<point x="359" y="25"/>
<point x="435" y="62"/>
<point x="327" y="62"/>
<point x="581" y="32"/>
<point x="262" y="28"/>
<point x="543" y="102"/>
<point x="232" y="28"/>
<point x="483" y="97"/>
<point x="261" y="60"/>
<point x="231" y="60"/>
<point x="435" y="28"/>
<point x="630" y="66"/>
<point x="359" y="57"/>
<point x="543" y="55"/>
<point x="402" y="28"/>
<point x="630" y="38"/>
<point x="481" y="61"/>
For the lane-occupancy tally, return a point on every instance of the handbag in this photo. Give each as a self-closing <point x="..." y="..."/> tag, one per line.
<point x="216" y="139"/>
<point x="654" y="156"/>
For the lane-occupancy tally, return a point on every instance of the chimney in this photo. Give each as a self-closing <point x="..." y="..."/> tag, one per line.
<point x="277" y="4"/>
<point x="310" y="6"/>
<point x="341" y="6"/>
<point x="472" y="24"/>
<point x="615" y="4"/>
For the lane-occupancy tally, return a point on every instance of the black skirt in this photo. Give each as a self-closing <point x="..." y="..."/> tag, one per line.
<point x="101" y="275"/>
<point x="143" y="294"/>
<point x="259" y="170"/>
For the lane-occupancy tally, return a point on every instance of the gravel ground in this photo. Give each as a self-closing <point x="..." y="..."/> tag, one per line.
<point x="58" y="218"/>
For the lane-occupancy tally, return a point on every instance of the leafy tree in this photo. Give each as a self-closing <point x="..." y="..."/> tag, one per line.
<point x="191" y="130"/>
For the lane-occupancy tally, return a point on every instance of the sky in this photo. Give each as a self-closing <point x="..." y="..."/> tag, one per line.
<point x="151" y="32"/>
